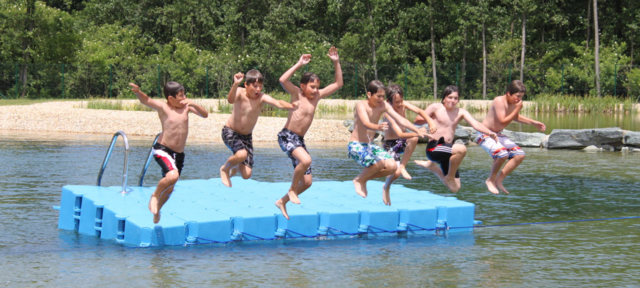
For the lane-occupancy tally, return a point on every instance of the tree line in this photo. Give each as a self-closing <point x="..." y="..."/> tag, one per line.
<point x="552" y="45"/>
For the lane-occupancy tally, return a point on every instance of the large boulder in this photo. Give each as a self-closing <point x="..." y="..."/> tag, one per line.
<point x="579" y="139"/>
<point x="631" y="138"/>
<point x="525" y="139"/>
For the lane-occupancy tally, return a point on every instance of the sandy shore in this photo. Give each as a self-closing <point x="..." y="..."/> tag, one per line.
<point x="69" y="117"/>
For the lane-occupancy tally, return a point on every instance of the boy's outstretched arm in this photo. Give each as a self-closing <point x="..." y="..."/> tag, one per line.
<point x="477" y="125"/>
<point x="195" y="108"/>
<point x="524" y="120"/>
<point x="432" y="125"/>
<point x="234" y="88"/>
<point x="280" y="104"/>
<point x="338" y="82"/>
<point x="144" y="99"/>
<point x="284" y="79"/>
<point x="404" y="122"/>
<point x="402" y="134"/>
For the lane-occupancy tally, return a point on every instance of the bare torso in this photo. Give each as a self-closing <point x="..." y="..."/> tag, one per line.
<point x="447" y="121"/>
<point x="491" y="121"/>
<point x="300" y="119"/>
<point x="175" y="127"/>
<point x="360" y="132"/>
<point x="245" y="113"/>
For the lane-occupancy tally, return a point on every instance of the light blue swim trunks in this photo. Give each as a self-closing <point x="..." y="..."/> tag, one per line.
<point x="367" y="154"/>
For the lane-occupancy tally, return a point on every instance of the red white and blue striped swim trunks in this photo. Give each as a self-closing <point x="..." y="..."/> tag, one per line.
<point x="505" y="147"/>
<point x="168" y="159"/>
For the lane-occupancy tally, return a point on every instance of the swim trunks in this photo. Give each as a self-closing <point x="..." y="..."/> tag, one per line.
<point x="168" y="159"/>
<point x="289" y="141"/>
<point x="367" y="154"/>
<point x="236" y="142"/>
<point x="440" y="152"/>
<point x="505" y="147"/>
<point x="395" y="147"/>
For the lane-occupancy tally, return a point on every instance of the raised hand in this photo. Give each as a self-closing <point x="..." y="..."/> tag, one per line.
<point x="238" y="78"/>
<point x="187" y="102"/>
<point x="333" y="54"/>
<point x="304" y="59"/>
<point x="135" y="88"/>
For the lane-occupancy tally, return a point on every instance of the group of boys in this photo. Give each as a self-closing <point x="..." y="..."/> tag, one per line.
<point x="382" y="102"/>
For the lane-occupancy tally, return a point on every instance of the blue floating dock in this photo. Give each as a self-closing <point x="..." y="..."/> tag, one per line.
<point x="205" y="211"/>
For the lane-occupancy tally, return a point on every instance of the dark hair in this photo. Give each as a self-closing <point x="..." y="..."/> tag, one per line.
<point x="308" y="77"/>
<point x="448" y="90"/>
<point x="172" y="88"/>
<point x="392" y="90"/>
<point x="516" y="86"/>
<point x="253" y="76"/>
<point x="374" y="86"/>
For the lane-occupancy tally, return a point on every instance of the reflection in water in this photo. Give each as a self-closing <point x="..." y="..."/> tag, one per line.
<point x="550" y="185"/>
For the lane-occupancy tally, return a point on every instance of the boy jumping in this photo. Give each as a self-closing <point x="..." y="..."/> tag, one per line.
<point x="236" y="134"/>
<point x="442" y="151"/>
<point x="375" y="160"/>
<point x="399" y="143"/>
<point x="169" y="150"/>
<point x="504" y="109"/>
<point x="291" y="138"/>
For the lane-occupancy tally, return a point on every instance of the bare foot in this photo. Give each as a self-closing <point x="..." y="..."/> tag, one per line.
<point x="156" y="218"/>
<point x="361" y="188"/>
<point x="499" y="185"/>
<point x="385" y="195"/>
<point x="224" y="176"/>
<point x="404" y="172"/>
<point x="492" y="188"/>
<point x="293" y="197"/>
<point x="153" y="205"/>
<point x="423" y="163"/>
<point x="450" y="182"/>
<point x="283" y="208"/>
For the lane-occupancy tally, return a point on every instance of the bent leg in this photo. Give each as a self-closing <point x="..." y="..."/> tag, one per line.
<point x="245" y="171"/>
<point x="303" y="185"/>
<point x="162" y="193"/>
<point x="408" y="151"/>
<point x="232" y="161"/>
<point x="458" y="152"/>
<point x="495" y="167"/>
<point x="511" y="165"/>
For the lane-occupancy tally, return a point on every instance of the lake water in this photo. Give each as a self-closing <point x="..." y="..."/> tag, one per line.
<point x="550" y="185"/>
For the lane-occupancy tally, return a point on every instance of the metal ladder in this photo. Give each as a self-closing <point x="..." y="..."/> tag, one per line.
<point x="126" y="160"/>
<point x="146" y="164"/>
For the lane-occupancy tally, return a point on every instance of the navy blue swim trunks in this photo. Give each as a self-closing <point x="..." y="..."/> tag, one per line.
<point x="289" y="141"/>
<point x="440" y="152"/>
<point x="236" y="142"/>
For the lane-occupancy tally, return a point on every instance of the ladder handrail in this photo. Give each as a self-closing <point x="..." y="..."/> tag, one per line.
<point x="146" y="164"/>
<point x="126" y="160"/>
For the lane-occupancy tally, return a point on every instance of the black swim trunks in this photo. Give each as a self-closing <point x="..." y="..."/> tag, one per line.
<point x="395" y="147"/>
<point x="236" y="142"/>
<point x="168" y="159"/>
<point x="440" y="152"/>
<point x="289" y="141"/>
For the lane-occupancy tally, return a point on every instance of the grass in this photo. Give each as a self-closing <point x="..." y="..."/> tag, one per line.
<point x="587" y="104"/>
<point x="114" y="105"/>
<point x="10" y="102"/>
